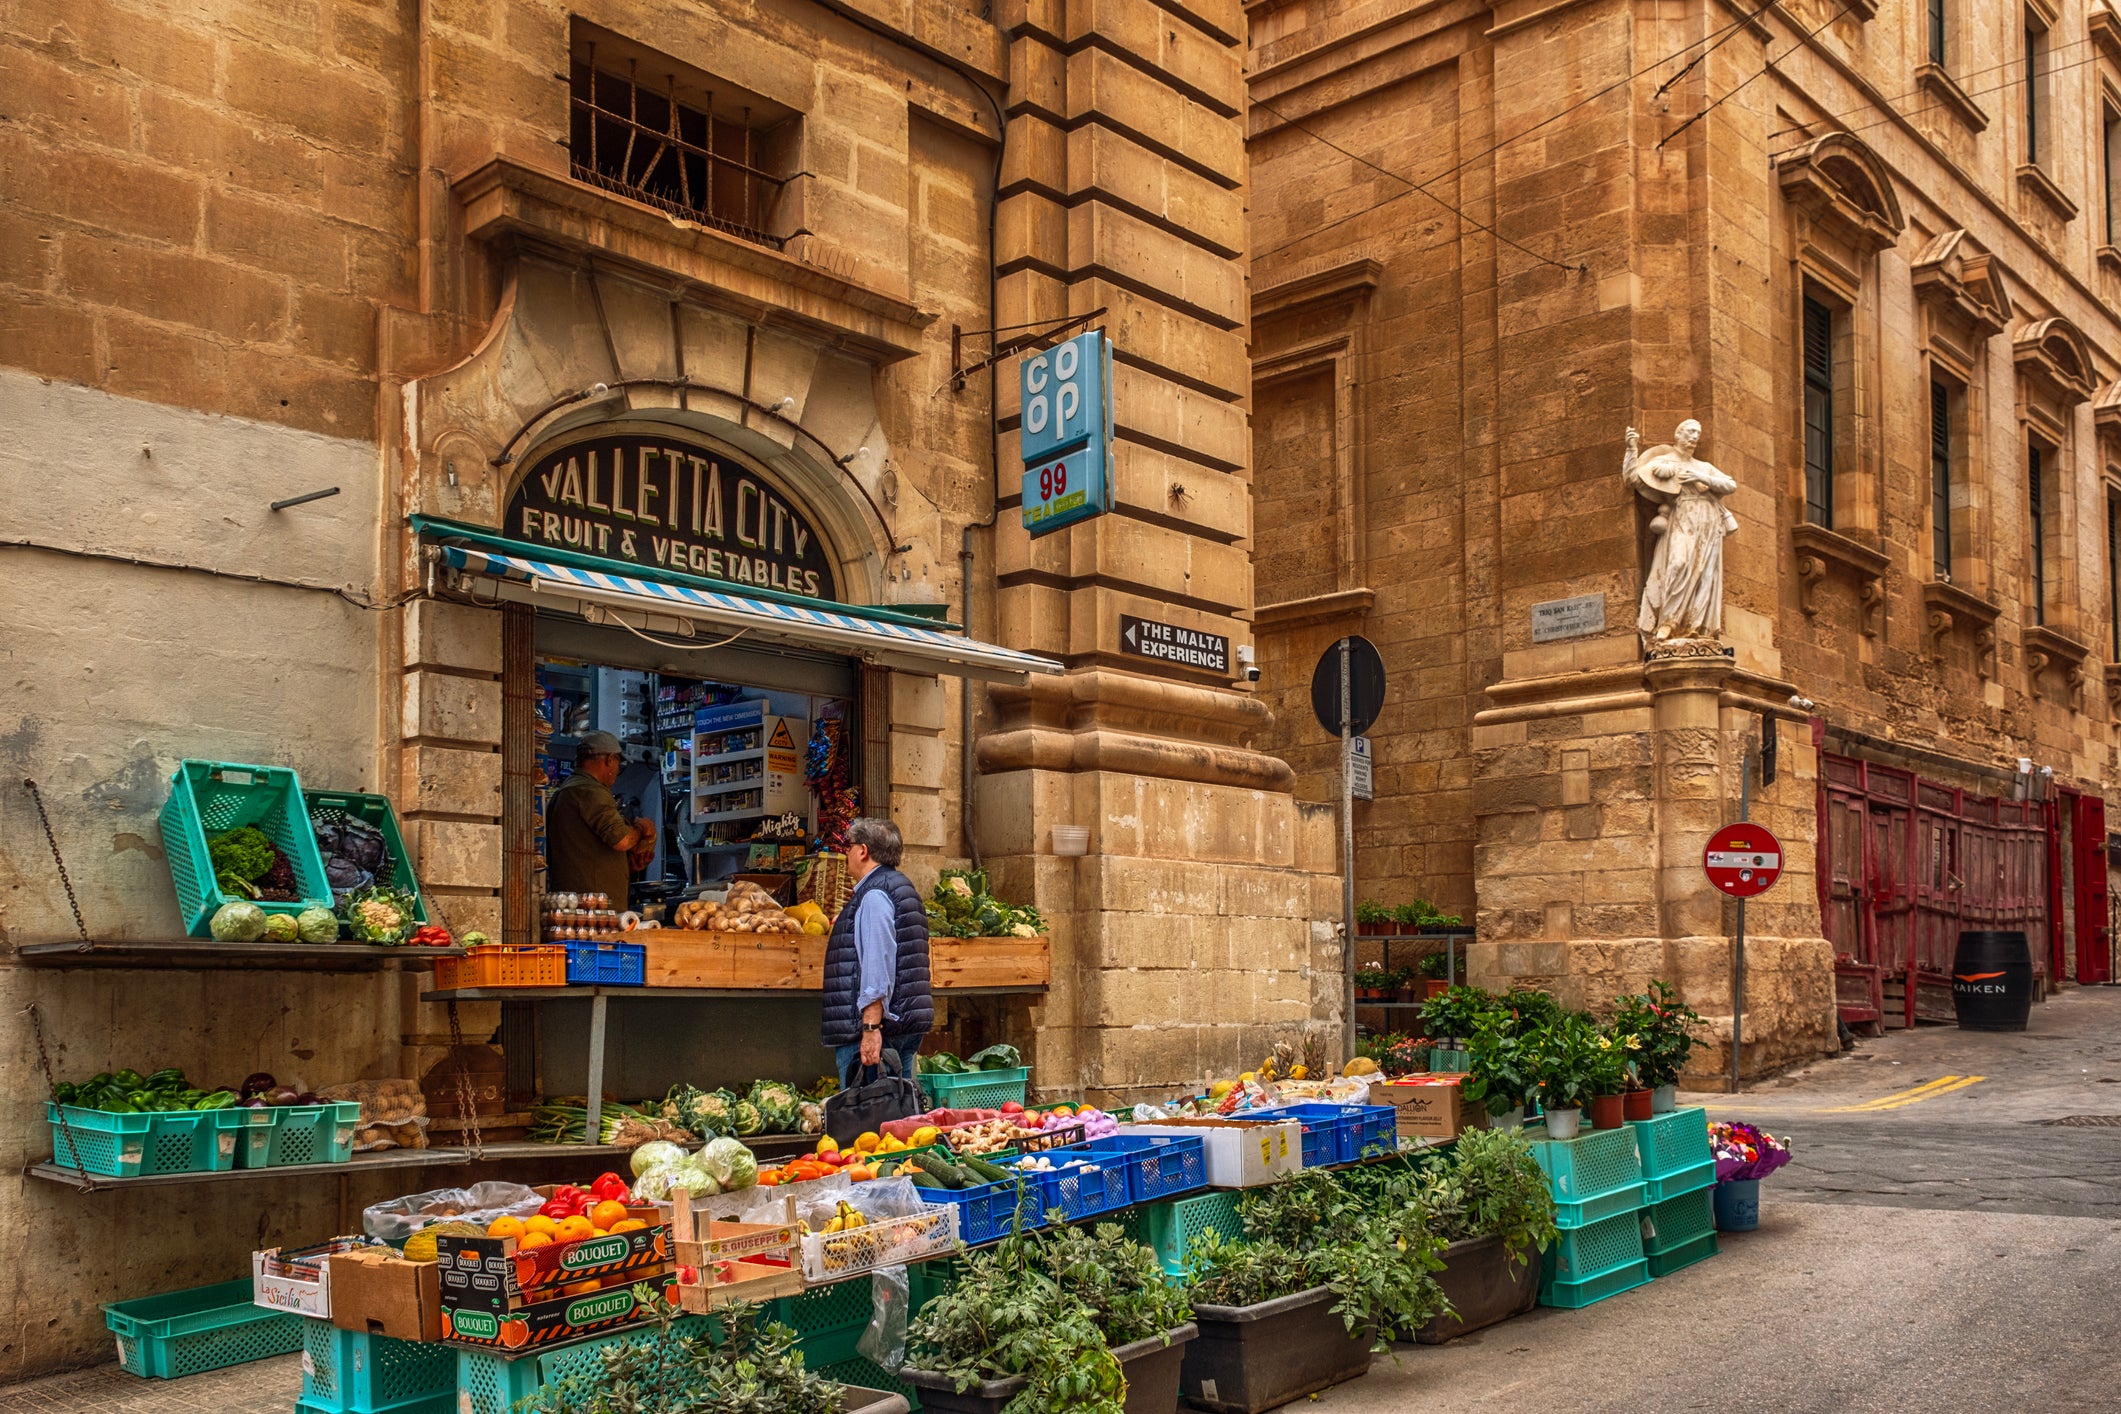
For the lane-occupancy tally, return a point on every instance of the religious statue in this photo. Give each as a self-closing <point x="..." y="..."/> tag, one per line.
<point x="1682" y="596"/>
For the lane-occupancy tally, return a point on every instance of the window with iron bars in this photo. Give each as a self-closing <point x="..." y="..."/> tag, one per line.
<point x="640" y="129"/>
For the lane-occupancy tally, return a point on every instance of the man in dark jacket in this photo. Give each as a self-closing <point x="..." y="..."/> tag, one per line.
<point x="876" y="961"/>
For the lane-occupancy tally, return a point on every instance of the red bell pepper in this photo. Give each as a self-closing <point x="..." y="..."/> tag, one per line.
<point x="610" y="1188"/>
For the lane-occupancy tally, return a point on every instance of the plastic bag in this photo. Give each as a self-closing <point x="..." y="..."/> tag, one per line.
<point x="393" y="1113"/>
<point x="884" y="1342"/>
<point x="399" y="1218"/>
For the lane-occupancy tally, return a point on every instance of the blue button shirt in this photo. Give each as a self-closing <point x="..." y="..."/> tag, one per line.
<point x="875" y="951"/>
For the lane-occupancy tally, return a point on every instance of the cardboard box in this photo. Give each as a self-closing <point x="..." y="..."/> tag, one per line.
<point x="560" y="1319"/>
<point x="1240" y="1153"/>
<point x="499" y="1274"/>
<point x="297" y="1279"/>
<point x="1429" y="1106"/>
<point x="377" y="1291"/>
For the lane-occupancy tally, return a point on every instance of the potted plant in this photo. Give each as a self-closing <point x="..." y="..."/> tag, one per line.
<point x="1633" y="1020"/>
<point x="1499" y="1074"/>
<point x="1372" y="919"/>
<point x="1609" y="1077"/>
<point x="1373" y="984"/>
<point x="1668" y="1030"/>
<point x="1565" y="1051"/>
<point x="1328" y="1274"/>
<point x="1435" y="972"/>
<point x="1421" y="916"/>
<point x="1490" y="1203"/>
<point x="1449" y="1020"/>
<point x="1744" y="1155"/>
<point x="1064" y="1318"/>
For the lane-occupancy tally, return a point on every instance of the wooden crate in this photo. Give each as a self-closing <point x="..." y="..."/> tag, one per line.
<point x="678" y="957"/>
<point x="768" y="960"/>
<point x="988" y="962"/>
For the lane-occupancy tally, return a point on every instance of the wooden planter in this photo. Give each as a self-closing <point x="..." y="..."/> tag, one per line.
<point x="957" y="963"/>
<point x="1484" y="1287"/>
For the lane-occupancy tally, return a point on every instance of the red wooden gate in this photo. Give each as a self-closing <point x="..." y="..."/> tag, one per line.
<point x="1912" y="862"/>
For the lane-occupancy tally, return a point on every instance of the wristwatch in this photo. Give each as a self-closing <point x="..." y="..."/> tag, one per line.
<point x="872" y="1026"/>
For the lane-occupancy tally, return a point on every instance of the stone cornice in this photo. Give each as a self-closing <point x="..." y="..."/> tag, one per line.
<point x="2034" y="179"/>
<point x="1818" y="548"/>
<point x="505" y="200"/>
<point x="1333" y="284"/>
<point x="2046" y="647"/>
<point x="1933" y="80"/>
<point x="2054" y="357"/>
<point x="1843" y="186"/>
<point x="2105" y="28"/>
<point x="1947" y="606"/>
<point x="1954" y="275"/>
<point x="1316" y="609"/>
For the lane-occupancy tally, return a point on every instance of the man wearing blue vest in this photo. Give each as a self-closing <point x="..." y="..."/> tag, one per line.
<point x="876" y="961"/>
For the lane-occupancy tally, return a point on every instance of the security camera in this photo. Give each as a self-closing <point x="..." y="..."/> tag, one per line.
<point x="1801" y="702"/>
<point x="1246" y="664"/>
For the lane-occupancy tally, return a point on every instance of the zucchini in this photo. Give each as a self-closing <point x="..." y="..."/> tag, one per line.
<point x="992" y="1173"/>
<point x="941" y="1169"/>
<point x="923" y="1179"/>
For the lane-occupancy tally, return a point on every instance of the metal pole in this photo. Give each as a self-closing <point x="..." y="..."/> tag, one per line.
<point x="1347" y="850"/>
<point x="594" y="1123"/>
<point x="1745" y="813"/>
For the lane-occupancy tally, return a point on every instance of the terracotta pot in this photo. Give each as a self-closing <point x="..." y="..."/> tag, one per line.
<point x="1607" y="1111"/>
<point x="1369" y="994"/>
<point x="1636" y="1104"/>
<point x="1433" y="987"/>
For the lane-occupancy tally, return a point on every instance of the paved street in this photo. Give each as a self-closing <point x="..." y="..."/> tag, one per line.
<point x="1936" y="1244"/>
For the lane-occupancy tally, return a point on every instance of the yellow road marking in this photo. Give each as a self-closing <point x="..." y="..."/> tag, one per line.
<point x="1944" y="1085"/>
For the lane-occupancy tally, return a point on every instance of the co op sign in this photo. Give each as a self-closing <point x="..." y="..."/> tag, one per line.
<point x="1066" y="436"/>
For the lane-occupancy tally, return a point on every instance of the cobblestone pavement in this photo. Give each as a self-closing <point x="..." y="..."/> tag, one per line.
<point x="261" y="1387"/>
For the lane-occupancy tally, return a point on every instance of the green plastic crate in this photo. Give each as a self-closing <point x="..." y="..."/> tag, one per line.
<point x="299" y="1134"/>
<point x="928" y="1280"/>
<point x="323" y="805"/>
<point x="1593" y="1177"/>
<point x="208" y="797"/>
<point x="206" y="1328"/>
<point x="977" y="1089"/>
<point x="1675" y="1222"/>
<point x="1444" y="1061"/>
<point x="1675" y="1153"/>
<point x="1170" y="1227"/>
<point x="1587" y="1253"/>
<point x="141" y="1145"/>
<point x="1699" y="1249"/>
<point x="857" y="1371"/>
<point x="827" y="1320"/>
<point x="489" y="1382"/>
<point x="1575" y="1295"/>
<point x="353" y="1372"/>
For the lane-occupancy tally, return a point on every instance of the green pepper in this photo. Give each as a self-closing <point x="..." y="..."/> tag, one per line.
<point x="63" y="1093"/>
<point x="128" y="1079"/>
<point x="117" y="1107"/>
<point x="218" y="1100"/>
<point x="169" y="1078"/>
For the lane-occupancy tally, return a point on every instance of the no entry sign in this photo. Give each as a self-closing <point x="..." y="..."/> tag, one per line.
<point x="1743" y="860"/>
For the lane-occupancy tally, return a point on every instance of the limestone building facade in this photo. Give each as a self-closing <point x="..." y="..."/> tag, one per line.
<point x="408" y="254"/>
<point x="1872" y="249"/>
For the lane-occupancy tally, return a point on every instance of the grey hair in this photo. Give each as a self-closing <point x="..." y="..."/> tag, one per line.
<point x="880" y="837"/>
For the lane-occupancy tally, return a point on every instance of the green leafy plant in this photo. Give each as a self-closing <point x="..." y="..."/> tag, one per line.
<point x="1372" y="979"/>
<point x="1369" y="910"/>
<point x="1226" y="1272"/>
<point x="1614" y="1061"/>
<point x="755" y="1368"/>
<point x="961" y="906"/>
<point x="1534" y="1010"/>
<point x="1501" y="1072"/>
<point x="1490" y="1186"/>
<point x="1666" y="1028"/>
<point x="1423" y="914"/>
<point x="1118" y="1279"/>
<point x="1565" y="1055"/>
<point x="1435" y="967"/>
<point x="1456" y="1013"/>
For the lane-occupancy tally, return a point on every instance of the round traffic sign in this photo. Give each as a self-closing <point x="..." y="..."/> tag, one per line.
<point x="1366" y="686"/>
<point x="1743" y="860"/>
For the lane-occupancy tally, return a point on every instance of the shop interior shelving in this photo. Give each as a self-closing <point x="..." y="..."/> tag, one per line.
<point x="1452" y="941"/>
<point x="206" y="954"/>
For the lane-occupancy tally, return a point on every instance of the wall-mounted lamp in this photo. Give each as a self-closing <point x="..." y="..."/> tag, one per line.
<point x="306" y="498"/>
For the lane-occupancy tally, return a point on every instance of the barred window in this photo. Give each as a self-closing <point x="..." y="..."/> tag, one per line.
<point x="1818" y="413"/>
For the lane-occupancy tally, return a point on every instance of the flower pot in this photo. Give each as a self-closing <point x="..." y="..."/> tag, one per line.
<point x="1607" y="1111"/>
<point x="1373" y="930"/>
<point x="1369" y="994"/>
<point x="1635" y="1104"/>
<point x="1738" y="1205"/>
<point x="1151" y="1367"/>
<point x="856" y="1400"/>
<point x="1484" y="1287"/>
<point x="1563" y="1124"/>
<point x="1508" y="1119"/>
<point x="1432" y="987"/>
<point x="1664" y="1099"/>
<point x="1253" y="1358"/>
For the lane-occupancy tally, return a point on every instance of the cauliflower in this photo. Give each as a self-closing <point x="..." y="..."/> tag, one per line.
<point x="959" y="887"/>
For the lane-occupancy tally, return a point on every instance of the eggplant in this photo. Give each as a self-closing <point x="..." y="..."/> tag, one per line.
<point x="281" y="1095"/>
<point x="256" y="1083"/>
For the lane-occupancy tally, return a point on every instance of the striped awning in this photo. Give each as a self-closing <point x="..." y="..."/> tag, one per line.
<point x="885" y="641"/>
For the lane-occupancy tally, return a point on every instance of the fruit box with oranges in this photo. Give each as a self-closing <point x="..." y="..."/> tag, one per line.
<point x="559" y="1319"/>
<point x="509" y="1272"/>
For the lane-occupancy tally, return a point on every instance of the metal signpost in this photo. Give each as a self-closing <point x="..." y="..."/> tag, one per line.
<point x="1347" y="693"/>
<point x="1066" y="436"/>
<point x="1743" y="861"/>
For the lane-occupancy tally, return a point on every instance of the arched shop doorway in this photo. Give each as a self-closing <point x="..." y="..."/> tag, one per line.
<point x="666" y="588"/>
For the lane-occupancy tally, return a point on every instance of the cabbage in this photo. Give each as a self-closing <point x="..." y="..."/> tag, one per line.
<point x="317" y="925"/>
<point x="239" y="923"/>
<point x="279" y="928"/>
<point x="655" y="1154"/>
<point x="729" y="1163"/>
<point x="654" y="1186"/>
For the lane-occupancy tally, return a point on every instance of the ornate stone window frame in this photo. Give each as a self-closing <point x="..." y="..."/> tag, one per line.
<point x="1965" y="302"/>
<point x="1819" y="550"/>
<point x="2055" y="371"/>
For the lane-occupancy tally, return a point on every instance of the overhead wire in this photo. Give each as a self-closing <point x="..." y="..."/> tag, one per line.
<point x="1916" y="92"/>
<point x="1844" y="127"/>
<point x="1713" y="39"/>
<point x="1808" y="36"/>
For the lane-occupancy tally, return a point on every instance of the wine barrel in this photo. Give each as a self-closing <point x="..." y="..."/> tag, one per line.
<point x="1992" y="981"/>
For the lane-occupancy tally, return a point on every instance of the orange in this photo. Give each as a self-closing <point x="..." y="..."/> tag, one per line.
<point x="541" y="1223"/>
<point x="532" y="1240"/>
<point x="575" y="1229"/>
<point x="628" y="1225"/>
<point x="598" y="1232"/>
<point x="579" y="1288"/>
<point x="506" y="1227"/>
<point x="608" y="1212"/>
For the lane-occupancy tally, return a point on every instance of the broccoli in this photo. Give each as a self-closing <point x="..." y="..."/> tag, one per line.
<point x="239" y="857"/>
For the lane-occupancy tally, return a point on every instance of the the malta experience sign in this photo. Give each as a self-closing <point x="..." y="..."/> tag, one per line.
<point x="670" y="504"/>
<point x="1066" y="437"/>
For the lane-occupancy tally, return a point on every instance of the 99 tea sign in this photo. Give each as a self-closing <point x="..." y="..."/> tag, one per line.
<point x="1066" y="434"/>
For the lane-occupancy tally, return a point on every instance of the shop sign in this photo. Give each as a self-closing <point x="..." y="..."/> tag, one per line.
<point x="1171" y="643"/>
<point x="1066" y="435"/>
<point x="666" y="503"/>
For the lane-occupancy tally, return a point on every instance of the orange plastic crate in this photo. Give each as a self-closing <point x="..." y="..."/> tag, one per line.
<point x="503" y="965"/>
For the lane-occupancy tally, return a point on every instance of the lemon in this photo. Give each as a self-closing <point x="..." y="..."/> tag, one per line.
<point x="1247" y="1078"/>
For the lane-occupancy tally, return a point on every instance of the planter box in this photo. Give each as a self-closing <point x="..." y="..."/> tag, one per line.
<point x="1151" y="1368"/>
<point x="988" y="962"/>
<point x="1253" y="1358"/>
<point x="1484" y="1287"/>
<point x="856" y="1400"/>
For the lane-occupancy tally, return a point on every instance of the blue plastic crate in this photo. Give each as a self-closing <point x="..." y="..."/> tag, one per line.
<point x="1158" y="1166"/>
<point x="1083" y="1189"/>
<point x="1329" y="1130"/>
<point x="1376" y="1130"/>
<point x="141" y="1145"/>
<point x="353" y="1372"/>
<point x="987" y="1211"/>
<point x="208" y="797"/>
<point x="206" y="1328"/>
<point x="1593" y="1176"/>
<point x="606" y="964"/>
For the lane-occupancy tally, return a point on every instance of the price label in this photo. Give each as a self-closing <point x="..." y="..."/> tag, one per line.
<point x="1071" y="487"/>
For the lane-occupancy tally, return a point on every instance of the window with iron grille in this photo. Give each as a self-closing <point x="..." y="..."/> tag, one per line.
<point x="2036" y="548"/>
<point x="2035" y="87"/>
<point x="2113" y="573"/>
<point x="1937" y="36"/>
<point x="1941" y="478"/>
<point x="647" y="127"/>
<point x="1818" y="413"/>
